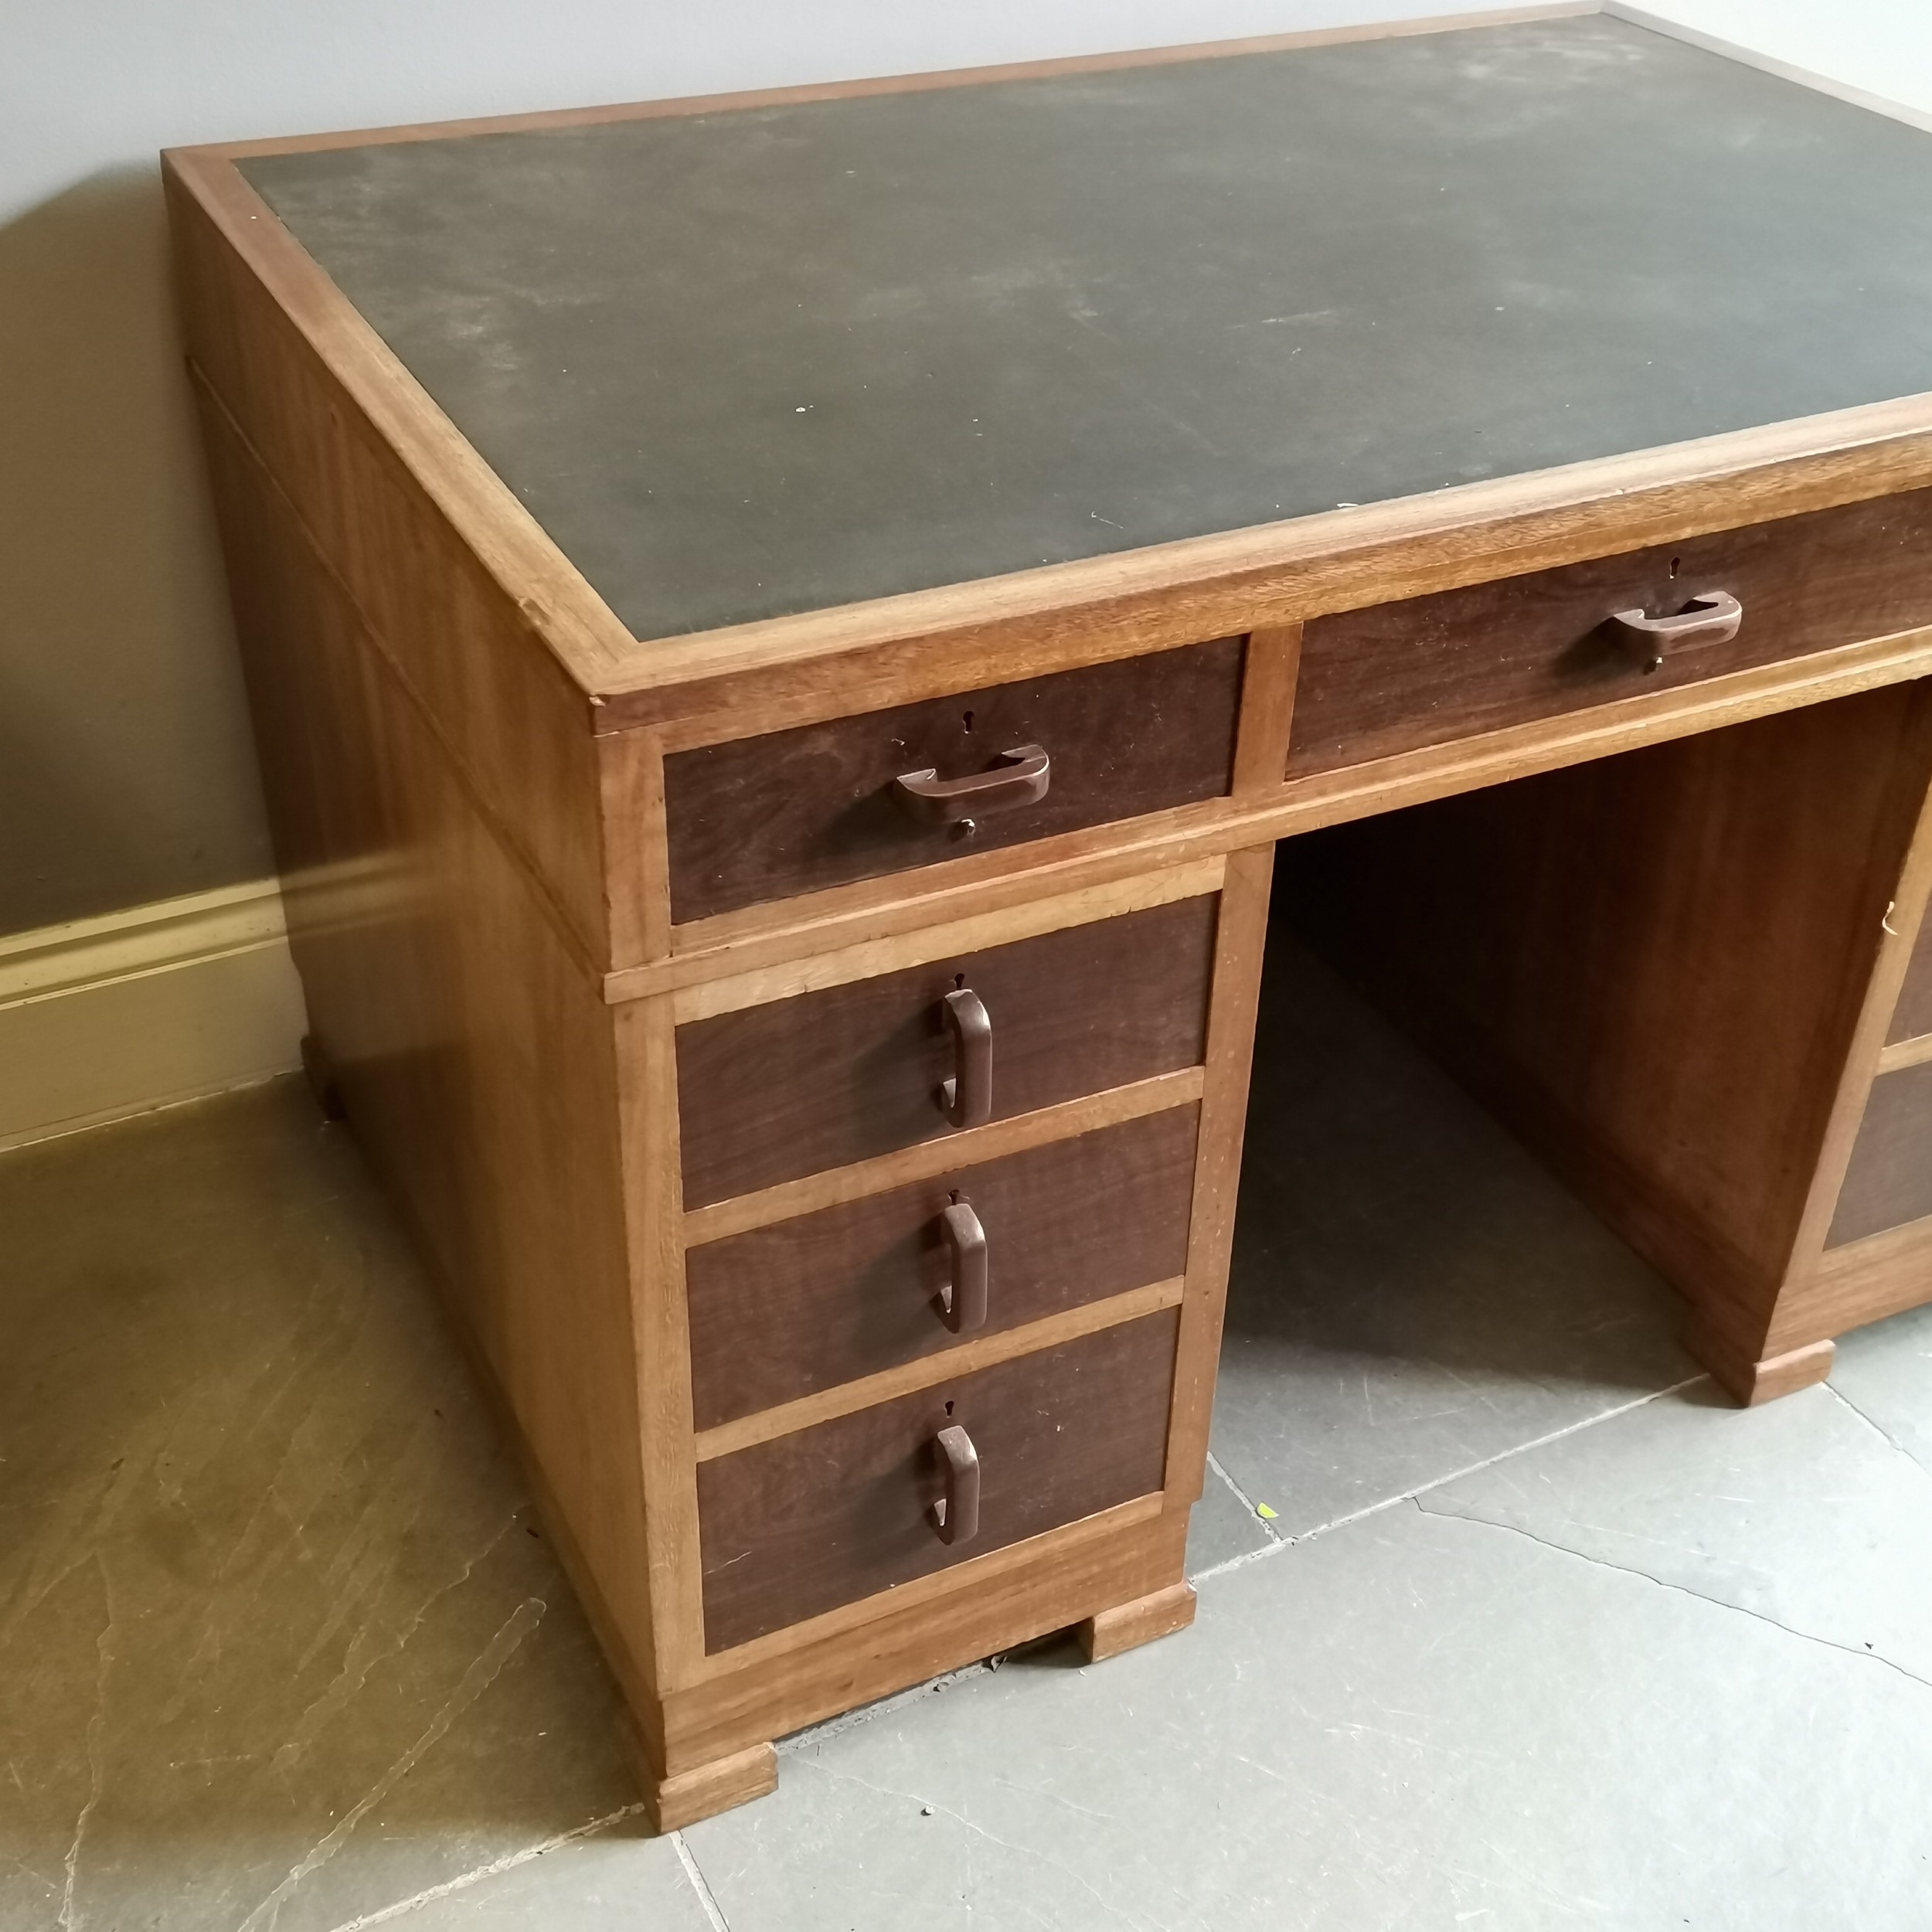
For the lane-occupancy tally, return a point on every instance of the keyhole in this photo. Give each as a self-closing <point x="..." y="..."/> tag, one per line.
<point x="959" y="980"/>
<point x="949" y="1408"/>
<point x="1674" y="563"/>
<point x="968" y="721"/>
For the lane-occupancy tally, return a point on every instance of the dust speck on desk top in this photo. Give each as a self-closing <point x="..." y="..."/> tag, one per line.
<point x="742" y="364"/>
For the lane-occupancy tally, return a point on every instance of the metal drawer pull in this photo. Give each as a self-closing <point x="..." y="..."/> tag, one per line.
<point x="964" y="1299"/>
<point x="1020" y="778"/>
<point x="1712" y="618"/>
<point x="968" y="1097"/>
<point x="957" y="1513"/>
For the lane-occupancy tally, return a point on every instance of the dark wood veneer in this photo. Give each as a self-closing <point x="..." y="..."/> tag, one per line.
<point x="800" y="1524"/>
<point x="770" y="1092"/>
<point x="1428" y="670"/>
<point x="1912" y="1015"/>
<point x="1890" y="1180"/>
<point x="795" y="811"/>
<point x="779" y="1312"/>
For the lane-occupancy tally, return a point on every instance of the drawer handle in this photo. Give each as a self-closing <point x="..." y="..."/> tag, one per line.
<point x="967" y="1097"/>
<point x="964" y="1299"/>
<point x="957" y="1513"/>
<point x="1020" y="778"/>
<point x="1712" y="618"/>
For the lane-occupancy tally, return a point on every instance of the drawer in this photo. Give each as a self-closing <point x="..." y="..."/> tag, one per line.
<point x="795" y="811"/>
<point x="1888" y="1181"/>
<point x="779" y="1312"/>
<point x="800" y="1524"/>
<point x="1398" y="676"/>
<point x="773" y="1092"/>
<point x="1912" y="1016"/>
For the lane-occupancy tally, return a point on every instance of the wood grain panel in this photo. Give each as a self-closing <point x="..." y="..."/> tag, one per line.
<point x="1890" y="1180"/>
<point x="1912" y="1016"/>
<point x="471" y="1047"/>
<point x="782" y="1311"/>
<point x="1652" y="967"/>
<point x="799" y="1526"/>
<point x="488" y="629"/>
<point x="1429" y="670"/>
<point x="795" y="811"/>
<point x="774" y="1092"/>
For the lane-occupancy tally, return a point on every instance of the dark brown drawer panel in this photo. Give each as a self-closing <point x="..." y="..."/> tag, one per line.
<point x="795" y="811"/>
<point x="781" y="1311"/>
<point x="773" y="1092"/>
<point x="1399" y="676"/>
<point x="1890" y="1180"/>
<point x="798" y="1526"/>
<point x="1912" y="1016"/>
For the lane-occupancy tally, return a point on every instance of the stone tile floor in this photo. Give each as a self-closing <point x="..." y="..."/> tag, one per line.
<point x="1541" y="1633"/>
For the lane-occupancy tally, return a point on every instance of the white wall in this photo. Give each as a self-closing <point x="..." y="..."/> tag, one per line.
<point x="1881" y="49"/>
<point x="125" y="769"/>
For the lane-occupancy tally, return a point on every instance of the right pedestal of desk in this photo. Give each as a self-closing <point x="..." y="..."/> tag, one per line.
<point x="1692" y="978"/>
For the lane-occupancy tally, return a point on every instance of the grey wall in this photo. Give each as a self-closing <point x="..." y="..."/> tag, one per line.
<point x="125" y="769"/>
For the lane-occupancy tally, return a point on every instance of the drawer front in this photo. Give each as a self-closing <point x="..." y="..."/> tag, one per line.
<point x="799" y="1526"/>
<point x="1912" y="1016"/>
<point x="782" y="1311"/>
<point x="1889" y="1181"/>
<point x="795" y="811"/>
<point x="774" y="1092"/>
<point x="1399" y="676"/>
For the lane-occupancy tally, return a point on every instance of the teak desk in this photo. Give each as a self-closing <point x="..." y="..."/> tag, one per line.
<point x="784" y="631"/>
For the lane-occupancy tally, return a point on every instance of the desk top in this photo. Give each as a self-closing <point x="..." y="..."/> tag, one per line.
<point x="745" y="363"/>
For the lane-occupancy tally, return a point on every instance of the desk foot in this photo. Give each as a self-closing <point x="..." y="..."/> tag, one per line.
<point x="672" y="1803"/>
<point x="1751" y="1382"/>
<point x="1127" y="1625"/>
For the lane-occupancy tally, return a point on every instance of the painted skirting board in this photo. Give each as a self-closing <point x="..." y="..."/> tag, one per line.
<point x="140" y="1008"/>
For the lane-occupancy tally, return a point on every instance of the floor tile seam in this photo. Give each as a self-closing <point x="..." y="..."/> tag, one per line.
<point x="1247" y="1502"/>
<point x="1290" y="1542"/>
<point x="707" y="1899"/>
<point x="1676" y="1589"/>
<point x="496" y="1867"/>
<point x="1878" y="1428"/>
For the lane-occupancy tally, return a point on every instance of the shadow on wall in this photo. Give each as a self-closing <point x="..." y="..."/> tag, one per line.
<point x="126" y="771"/>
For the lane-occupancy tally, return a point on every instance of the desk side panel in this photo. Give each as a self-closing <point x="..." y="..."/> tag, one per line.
<point x="266" y="335"/>
<point x="473" y="1052"/>
<point x="1652" y="967"/>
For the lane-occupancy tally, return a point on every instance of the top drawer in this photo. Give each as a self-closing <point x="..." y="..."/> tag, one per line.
<point x="1432" y="669"/>
<point x="795" y="811"/>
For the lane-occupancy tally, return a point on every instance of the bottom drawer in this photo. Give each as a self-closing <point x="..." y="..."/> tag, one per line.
<point x="802" y="1524"/>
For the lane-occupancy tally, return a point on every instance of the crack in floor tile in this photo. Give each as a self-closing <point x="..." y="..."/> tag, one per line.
<point x="1878" y="1428"/>
<point x="1681" y="1589"/>
<point x="707" y="1899"/>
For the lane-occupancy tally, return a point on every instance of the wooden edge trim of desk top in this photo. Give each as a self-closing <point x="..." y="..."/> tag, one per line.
<point x="982" y="1351"/>
<point x="1060" y="614"/>
<point x="786" y="979"/>
<point x="738" y="681"/>
<point x="925" y="82"/>
<point x="737" y="944"/>
<point x="564" y="613"/>
<point x="970" y="1145"/>
<point x="956" y="1577"/>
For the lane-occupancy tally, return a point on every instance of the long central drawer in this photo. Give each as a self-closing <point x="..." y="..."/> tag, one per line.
<point x="770" y="1092"/>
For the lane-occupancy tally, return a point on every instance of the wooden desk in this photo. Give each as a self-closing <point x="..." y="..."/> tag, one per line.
<point x="784" y="632"/>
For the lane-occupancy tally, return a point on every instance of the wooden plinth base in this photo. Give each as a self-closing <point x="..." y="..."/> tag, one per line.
<point x="674" y="1802"/>
<point x="1127" y="1625"/>
<point x="1750" y="1383"/>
